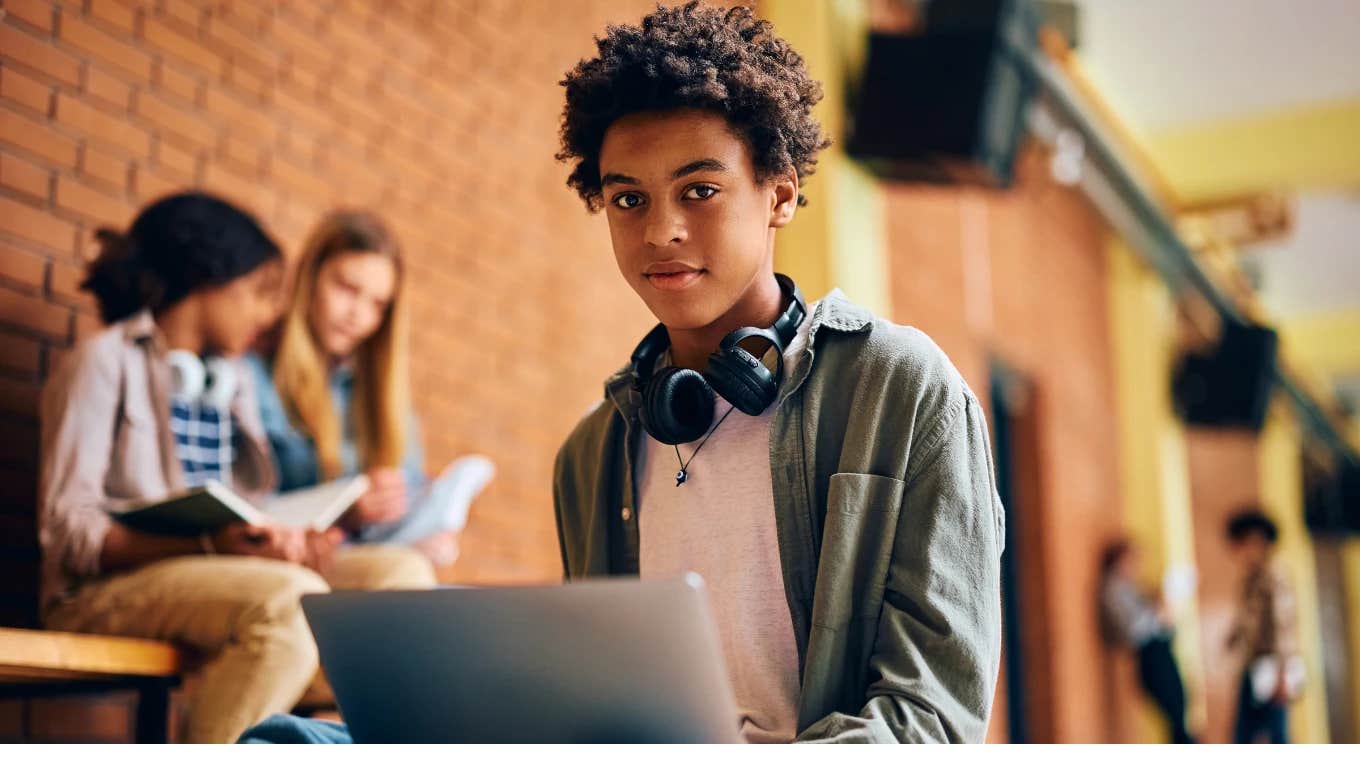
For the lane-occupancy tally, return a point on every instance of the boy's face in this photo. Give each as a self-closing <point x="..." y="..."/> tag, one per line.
<point x="692" y="228"/>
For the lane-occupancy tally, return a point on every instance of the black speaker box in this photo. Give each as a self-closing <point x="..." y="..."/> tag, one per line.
<point x="1332" y="505"/>
<point x="944" y="106"/>
<point x="1230" y="384"/>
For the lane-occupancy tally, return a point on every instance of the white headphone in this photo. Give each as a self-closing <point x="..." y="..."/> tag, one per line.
<point x="211" y="382"/>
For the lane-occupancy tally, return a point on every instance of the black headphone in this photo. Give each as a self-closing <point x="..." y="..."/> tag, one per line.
<point x="677" y="403"/>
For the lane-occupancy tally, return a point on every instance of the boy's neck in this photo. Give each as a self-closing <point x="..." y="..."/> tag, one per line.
<point x="181" y="328"/>
<point x="760" y="306"/>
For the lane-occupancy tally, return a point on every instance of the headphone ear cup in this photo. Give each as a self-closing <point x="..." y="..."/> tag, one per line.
<point x="188" y="376"/>
<point x="221" y="383"/>
<point x="740" y="378"/>
<point x="677" y="406"/>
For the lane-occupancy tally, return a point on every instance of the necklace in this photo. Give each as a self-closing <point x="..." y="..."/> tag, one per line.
<point x="683" y="473"/>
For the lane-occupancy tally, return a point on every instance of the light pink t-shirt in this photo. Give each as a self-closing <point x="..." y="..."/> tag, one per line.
<point x="720" y="524"/>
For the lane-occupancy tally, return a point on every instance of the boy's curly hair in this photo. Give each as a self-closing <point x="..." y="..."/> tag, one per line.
<point x="725" y="61"/>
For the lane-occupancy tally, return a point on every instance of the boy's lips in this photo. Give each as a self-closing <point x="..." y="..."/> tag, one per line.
<point x="667" y="278"/>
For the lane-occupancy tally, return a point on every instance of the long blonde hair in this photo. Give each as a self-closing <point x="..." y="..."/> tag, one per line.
<point x="380" y="405"/>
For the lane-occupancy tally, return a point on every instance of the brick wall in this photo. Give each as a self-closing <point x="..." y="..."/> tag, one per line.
<point x="1018" y="278"/>
<point x="440" y="115"/>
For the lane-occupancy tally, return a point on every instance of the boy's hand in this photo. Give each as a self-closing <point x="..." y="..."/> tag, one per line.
<point x="385" y="500"/>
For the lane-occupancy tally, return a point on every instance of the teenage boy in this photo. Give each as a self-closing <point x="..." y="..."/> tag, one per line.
<point x="841" y="506"/>
<point x="839" y="502"/>
<point x="1263" y="632"/>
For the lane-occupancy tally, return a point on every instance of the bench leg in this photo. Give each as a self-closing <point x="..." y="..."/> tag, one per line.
<point x="153" y="713"/>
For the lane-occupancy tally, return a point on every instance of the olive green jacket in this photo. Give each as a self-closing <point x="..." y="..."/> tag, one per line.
<point x="890" y="528"/>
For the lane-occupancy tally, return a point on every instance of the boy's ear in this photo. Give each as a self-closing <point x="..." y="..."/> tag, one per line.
<point x="784" y="194"/>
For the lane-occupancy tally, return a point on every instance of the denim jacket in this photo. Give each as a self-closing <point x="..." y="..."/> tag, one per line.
<point x="889" y="525"/>
<point x="294" y="452"/>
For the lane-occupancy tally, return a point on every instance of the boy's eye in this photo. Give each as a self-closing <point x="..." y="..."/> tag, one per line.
<point x="699" y="192"/>
<point x="627" y="200"/>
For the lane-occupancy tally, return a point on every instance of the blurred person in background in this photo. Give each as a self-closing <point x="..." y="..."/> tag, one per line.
<point x="335" y="395"/>
<point x="1134" y="620"/>
<point x="156" y="403"/>
<point x="1263" y="633"/>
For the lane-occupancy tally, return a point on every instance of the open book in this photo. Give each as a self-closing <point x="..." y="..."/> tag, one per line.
<point x="212" y="506"/>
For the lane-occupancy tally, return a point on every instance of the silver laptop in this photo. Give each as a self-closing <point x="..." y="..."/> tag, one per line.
<point x="616" y="660"/>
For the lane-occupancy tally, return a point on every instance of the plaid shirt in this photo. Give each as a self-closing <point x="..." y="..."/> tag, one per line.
<point x="203" y="441"/>
<point x="1266" y="619"/>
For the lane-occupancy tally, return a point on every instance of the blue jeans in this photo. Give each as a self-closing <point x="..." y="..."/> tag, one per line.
<point x="290" y="729"/>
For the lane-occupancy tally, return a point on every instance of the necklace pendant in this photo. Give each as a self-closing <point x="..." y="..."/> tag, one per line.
<point x="680" y="477"/>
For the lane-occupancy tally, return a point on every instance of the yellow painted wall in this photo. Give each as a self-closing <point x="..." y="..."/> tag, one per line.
<point x="838" y="239"/>
<point x="1305" y="148"/>
<point x="1281" y="471"/>
<point x="1154" y="481"/>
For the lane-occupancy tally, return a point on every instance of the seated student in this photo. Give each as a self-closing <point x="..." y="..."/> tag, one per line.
<point x="151" y="405"/>
<point x="845" y="518"/>
<point x="335" y="396"/>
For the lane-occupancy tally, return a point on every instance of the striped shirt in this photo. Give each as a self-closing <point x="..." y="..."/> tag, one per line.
<point x="203" y="440"/>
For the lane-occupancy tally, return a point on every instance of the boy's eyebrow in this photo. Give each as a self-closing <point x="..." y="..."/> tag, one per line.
<point x="696" y="166"/>
<point x="692" y="167"/>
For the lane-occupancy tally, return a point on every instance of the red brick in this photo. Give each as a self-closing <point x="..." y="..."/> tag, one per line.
<point x="149" y="184"/>
<point x="24" y="176"/>
<point x="299" y="180"/>
<point x="20" y="354"/>
<point x="248" y="82"/>
<point x="171" y="80"/>
<point x="37" y="138"/>
<point x="107" y="88"/>
<point x="22" y="267"/>
<point x="98" y="206"/>
<point x="251" y="51"/>
<point x="37" y="13"/>
<point x="179" y="162"/>
<point x="187" y="14"/>
<point x="240" y="116"/>
<point x="25" y="91"/>
<point x="187" y="49"/>
<point x="301" y="43"/>
<point x="114" y="13"/>
<point x="38" y="54"/>
<point x="64" y="284"/>
<point x="177" y="121"/>
<point x="102" y="127"/>
<point x="244" y="14"/>
<point x="56" y="358"/>
<point x="34" y="225"/>
<point x="98" y="43"/>
<point x="35" y="315"/>
<point x="244" y="154"/>
<point x="19" y="398"/>
<point x="255" y="196"/>
<point x="86" y="325"/>
<point x="104" y="168"/>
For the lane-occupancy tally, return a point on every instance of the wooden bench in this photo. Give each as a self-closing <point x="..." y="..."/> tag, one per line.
<point x="39" y="663"/>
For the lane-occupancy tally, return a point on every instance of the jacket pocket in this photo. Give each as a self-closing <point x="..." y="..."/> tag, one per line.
<point x="857" y="544"/>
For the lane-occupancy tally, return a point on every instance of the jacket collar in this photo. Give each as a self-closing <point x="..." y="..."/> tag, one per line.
<point x="835" y="312"/>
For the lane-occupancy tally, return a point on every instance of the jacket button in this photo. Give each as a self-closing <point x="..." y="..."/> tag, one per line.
<point x="627" y="515"/>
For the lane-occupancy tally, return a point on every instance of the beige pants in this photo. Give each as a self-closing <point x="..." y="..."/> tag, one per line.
<point x="242" y="615"/>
